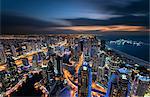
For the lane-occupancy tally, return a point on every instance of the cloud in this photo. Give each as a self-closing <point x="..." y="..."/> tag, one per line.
<point x="101" y="15"/>
<point x="11" y="23"/>
<point x="21" y="24"/>
<point x="134" y="7"/>
<point x="131" y="20"/>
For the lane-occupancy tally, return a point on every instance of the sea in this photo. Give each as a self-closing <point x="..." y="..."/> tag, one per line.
<point x="141" y="52"/>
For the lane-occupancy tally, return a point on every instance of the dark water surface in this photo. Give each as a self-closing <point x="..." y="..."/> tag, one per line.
<point x="141" y="52"/>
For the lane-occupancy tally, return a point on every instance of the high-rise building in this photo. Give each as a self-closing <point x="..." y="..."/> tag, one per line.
<point x="103" y="43"/>
<point x="84" y="81"/>
<point x="66" y="56"/>
<point x="24" y="47"/>
<point x="143" y="83"/>
<point x="2" y="54"/>
<point x="50" y="52"/>
<point x="20" y="50"/>
<point x="120" y="84"/>
<point x="50" y="73"/>
<point x="13" y="49"/>
<point x="26" y="64"/>
<point x="81" y="45"/>
<point x="59" y="63"/>
<point x="76" y="52"/>
<point x="114" y="89"/>
<point x="8" y="50"/>
<point x="102" y="60"/>
<point x="100" y="73"/>
<point x="29" y="46"/>
<point x="124" y="82"/>
<point x="34" y="61"/>
<point x="120" y="87"/>
<point x="10" y="62"/>
<point x="112" y="67"/>
<point x="124" y="86"/>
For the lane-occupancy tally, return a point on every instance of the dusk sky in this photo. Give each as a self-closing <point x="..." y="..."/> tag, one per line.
<point x="20" y="16"/>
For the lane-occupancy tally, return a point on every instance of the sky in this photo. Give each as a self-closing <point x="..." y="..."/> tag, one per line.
<point x="39" y="16"/>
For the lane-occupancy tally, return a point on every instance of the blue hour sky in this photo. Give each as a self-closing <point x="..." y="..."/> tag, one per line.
<point x="45" y="15"/>
<point x="47" y="9"/>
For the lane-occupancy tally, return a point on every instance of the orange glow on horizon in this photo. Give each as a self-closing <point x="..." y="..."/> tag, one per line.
<point x="104" y="28"/>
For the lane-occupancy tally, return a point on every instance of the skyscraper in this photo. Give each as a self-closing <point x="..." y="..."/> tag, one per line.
<point x="124" y="82"/>
<point x="102" y="45"/>
<point x="102" y="60"/>
<point x="84" y="81"/>
<point x="120" y="83"/>
<point x="34" y="61"/>
<point x="2" y="54"/>
<point x="123" y="86"/>
<point x="100" y="73"/>
<point x="114" y="89"/>
<point x="81" y="45"/>
<point x="143" y="83"/>
<point x="13" y="49"/>
<point x="50" y="73"/>
<point x="59" y="63"/>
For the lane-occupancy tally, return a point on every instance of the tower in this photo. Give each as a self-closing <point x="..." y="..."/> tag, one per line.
<point x="84" y="81"/>
<point x="81" y="45"/>
<point x="13" y="49"/>
<point x="2" y="53"/>
<point x="59" y="63"/>
<point x="123" y="86"/>
<point x="119" y="85"/>
<point x="143" y="83"/>
<point x="100" y="73"/>
<point x="50" y="73"/>
<point x="34" y="61"/>
<point x="102" y="45"/>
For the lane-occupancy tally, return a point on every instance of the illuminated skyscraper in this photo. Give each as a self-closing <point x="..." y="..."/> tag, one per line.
<point x="34" y="61"/>
<point x="10" y="62"/>
<point x="76" y="52"/>
<point x="50" y="73"/>
<point x="100" y="73"/>
<point x="119" y="84"/>
<point x="123" y="86"/>
<point x="119" y="87"/>
<point x="84" y="81"/>
<point x="2" y="54"/>
<point x="13" y="49"/>
<point x="142" y="85"/>
<point x="102" y="60"/>
<point x="59" y="63"/>
<point x="81" y="45"/>
<point x="114" y="89"/>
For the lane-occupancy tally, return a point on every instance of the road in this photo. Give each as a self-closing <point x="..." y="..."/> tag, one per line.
<point x="96" y="89"/>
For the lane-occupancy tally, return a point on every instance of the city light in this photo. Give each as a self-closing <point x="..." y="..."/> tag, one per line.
<point x="87" y="69"/>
